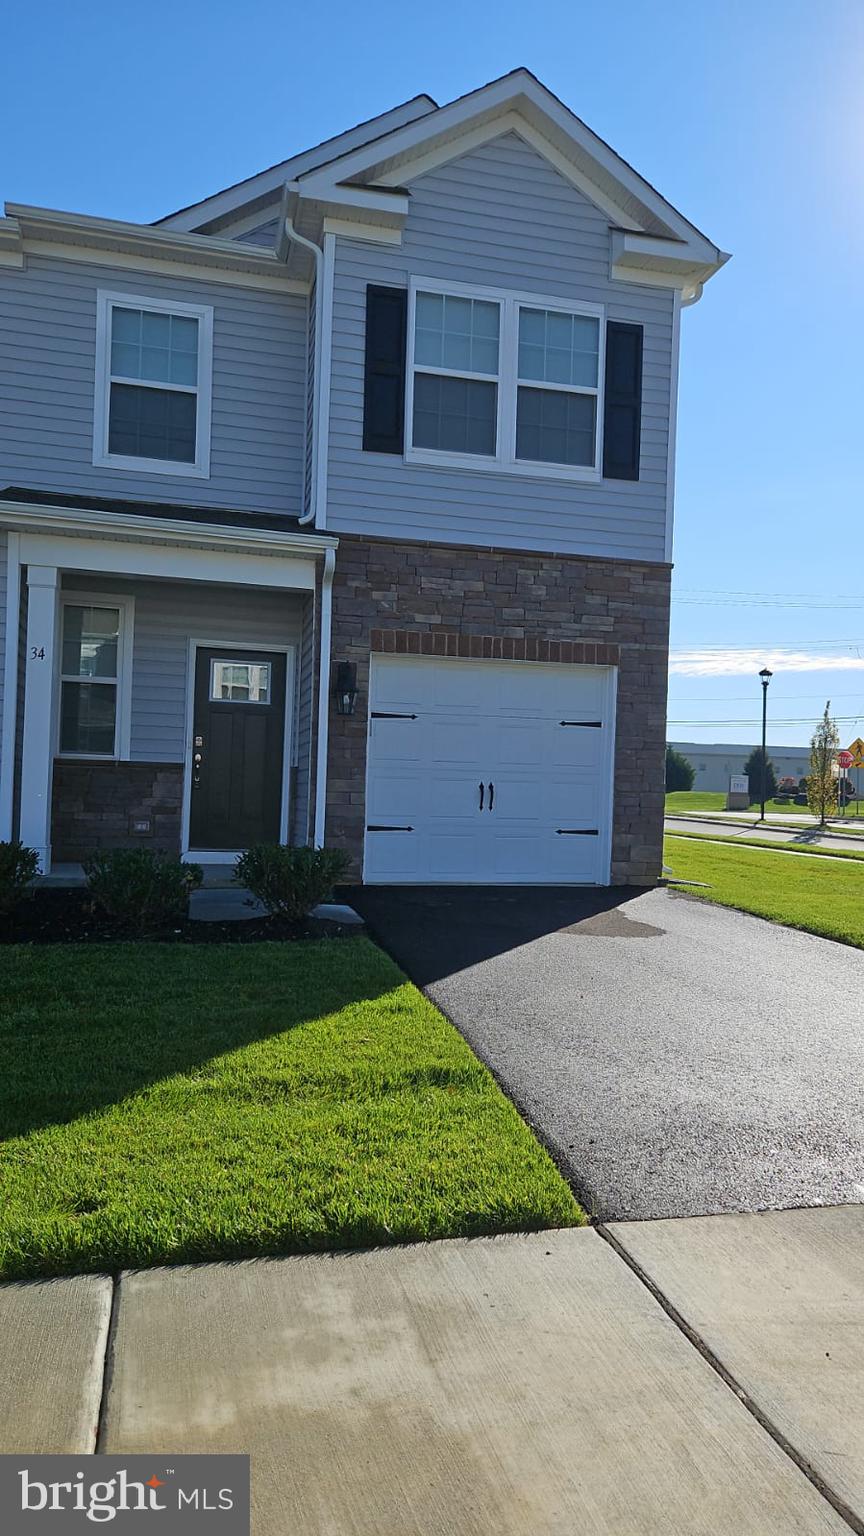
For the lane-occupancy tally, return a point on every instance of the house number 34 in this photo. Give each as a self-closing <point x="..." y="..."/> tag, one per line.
<point x="37" y="653"/>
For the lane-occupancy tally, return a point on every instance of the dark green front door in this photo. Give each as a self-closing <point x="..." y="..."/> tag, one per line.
<point x="238" y="744"/>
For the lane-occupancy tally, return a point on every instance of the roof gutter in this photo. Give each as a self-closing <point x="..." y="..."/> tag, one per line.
<point x="22" y="515"/>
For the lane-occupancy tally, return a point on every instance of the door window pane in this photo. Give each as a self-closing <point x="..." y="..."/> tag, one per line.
<point x="240" y="682"/>
<point x="88" y="714"/>
<point x="555" y="428"/>
<point x="152" y="423"/>
<point x="558" y="348"/>
<point x="458" y="415"/>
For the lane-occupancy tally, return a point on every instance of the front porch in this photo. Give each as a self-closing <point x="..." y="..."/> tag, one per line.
<point x="163" y="688"/>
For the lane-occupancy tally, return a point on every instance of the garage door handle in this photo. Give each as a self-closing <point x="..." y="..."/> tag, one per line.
<point x="481" y="794"/>
<point x="491" y="794"/>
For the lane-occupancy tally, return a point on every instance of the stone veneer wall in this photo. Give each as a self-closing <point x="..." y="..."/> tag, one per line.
<point x="94" y="804"/>
<point x="445" y="600"/>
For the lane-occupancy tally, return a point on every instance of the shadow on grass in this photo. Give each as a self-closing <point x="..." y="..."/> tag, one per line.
<point x="84" y="1027"/>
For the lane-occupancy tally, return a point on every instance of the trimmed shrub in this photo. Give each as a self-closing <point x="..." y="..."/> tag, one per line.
<point x="288" y="882"/>
<point x="18" y="866"/>
<point x="142" y="891"/>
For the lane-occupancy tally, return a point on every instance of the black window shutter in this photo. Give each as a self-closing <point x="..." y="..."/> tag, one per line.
<point x="622" y="407"/>
<point x="384" y="381"/>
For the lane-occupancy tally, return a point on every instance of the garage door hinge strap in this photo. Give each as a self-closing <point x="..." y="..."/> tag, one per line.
<point x="389" y="829"/>
<point x="577" y="832"/>
<point x="594" y="725"/>
<point x="385" y="714"/>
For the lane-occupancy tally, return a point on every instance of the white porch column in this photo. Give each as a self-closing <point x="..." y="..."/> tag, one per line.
<point x="37" y="763"/>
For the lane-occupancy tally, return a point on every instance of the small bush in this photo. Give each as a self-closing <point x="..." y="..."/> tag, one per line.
<point x="290" y="881"/>
<point x="141" y="890"/>
<point x="18" y="866"/>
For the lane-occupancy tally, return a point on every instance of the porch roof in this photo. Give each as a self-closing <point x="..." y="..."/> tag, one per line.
<point x="218" y="528"/>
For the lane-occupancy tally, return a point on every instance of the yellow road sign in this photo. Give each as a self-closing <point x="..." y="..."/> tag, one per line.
<point x="857" y="750"/>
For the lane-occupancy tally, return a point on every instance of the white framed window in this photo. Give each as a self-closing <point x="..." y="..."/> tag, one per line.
<point x="154" y="365"/>
<point x="95" y="675"/>
<point x="504" y="381"/>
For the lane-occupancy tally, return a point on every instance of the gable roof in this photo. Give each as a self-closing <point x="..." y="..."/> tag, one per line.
<point x="363" y="174"/>
<point x="264" y="188"/>
<point x="532" y="109"/>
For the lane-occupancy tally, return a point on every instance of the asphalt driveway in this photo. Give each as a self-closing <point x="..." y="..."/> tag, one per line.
<point x="677" y="1058"/>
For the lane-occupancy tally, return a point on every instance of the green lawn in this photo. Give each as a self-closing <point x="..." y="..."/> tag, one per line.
<point x="822" y="896"/>
<point x="691" y="801"/>
<point x="695" y="800"/>
<point x="164" y="1103"/>
<point x="816" y="851"/>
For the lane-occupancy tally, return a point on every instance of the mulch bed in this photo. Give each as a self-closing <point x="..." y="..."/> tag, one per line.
<point x="72" y="917"/>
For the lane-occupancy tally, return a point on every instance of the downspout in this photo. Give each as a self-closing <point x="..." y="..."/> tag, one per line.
<point x="318" y="254"/>
<point x="324" y="264"/>
<point x="324" y="696"/>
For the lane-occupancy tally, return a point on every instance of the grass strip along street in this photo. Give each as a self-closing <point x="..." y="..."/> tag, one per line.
<point x="167" y="1103"/>
<point x="816" y="850"/>
<point x="819" y="895"/>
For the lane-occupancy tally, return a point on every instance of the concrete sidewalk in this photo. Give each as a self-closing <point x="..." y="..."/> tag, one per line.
<point x="521" y="1386"/>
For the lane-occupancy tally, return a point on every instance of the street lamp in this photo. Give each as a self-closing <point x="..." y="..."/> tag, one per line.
<point x="764" y="677"/>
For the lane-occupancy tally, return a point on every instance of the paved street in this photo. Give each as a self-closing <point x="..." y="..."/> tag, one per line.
<point x="806" y="836"/>
<point x="678" y="1058"/>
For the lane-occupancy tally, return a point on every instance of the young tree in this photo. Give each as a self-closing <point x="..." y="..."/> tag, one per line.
<point x="753" y="770"/>
<point x="821" y="782"/>
<point x="680" y="772"/>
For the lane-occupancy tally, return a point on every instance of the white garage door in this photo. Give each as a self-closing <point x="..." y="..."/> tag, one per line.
<point x="488" y="772"/>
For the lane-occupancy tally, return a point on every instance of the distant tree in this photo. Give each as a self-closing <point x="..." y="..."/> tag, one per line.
<point x="821" y="781"/>
<point x="680" y="772"/>
<point x="753" y="770"/>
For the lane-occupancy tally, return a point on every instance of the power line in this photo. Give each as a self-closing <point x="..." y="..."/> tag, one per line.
<point x="775" y="720"/>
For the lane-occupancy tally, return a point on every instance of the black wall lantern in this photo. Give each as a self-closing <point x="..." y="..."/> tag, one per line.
<point x="345" y="687"/>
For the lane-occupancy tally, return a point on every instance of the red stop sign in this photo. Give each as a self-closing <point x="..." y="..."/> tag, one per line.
<point x="845" y="759"/>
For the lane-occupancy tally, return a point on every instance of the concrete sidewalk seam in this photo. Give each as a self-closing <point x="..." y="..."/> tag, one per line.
<point x="107" y="1368"/>
<point x="838" y="1504"/>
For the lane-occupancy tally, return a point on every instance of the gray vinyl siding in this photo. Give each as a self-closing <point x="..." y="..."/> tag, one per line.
<point x="500" y="216"/>
<point x="264" y="234"/>
<point x="47" y="371"/>
<point x="167" y="616"/>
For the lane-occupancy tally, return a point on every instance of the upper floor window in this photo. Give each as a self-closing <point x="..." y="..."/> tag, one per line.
<point x="153" y="378"/>
<point x="504" y="381"/>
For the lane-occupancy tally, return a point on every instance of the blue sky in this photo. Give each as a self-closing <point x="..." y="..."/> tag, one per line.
<point x="748" y="116"/>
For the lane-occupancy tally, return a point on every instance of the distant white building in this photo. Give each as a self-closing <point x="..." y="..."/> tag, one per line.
<point x="715" y="762"/>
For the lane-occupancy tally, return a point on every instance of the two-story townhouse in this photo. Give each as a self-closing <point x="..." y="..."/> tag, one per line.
<point x="338" y="506"/>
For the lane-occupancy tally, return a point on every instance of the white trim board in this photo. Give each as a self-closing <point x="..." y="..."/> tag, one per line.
<point x="10" y="684"/>
<point x="118" y="558"/>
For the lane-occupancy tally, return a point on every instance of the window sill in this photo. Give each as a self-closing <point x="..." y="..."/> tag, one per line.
<point x="152" y="466"/>
<point x="523" y="468"/>
<point x="90" y="757"/>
